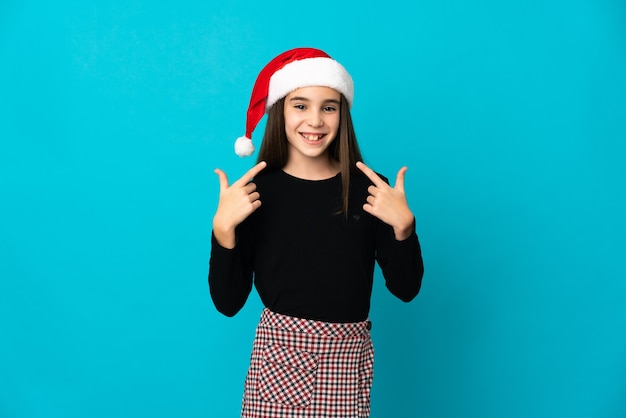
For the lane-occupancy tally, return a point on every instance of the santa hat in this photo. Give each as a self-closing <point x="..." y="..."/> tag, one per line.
<point x="300" y="67"/>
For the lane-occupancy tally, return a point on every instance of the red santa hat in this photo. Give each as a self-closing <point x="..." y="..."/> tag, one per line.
<point x="300" y="67"/>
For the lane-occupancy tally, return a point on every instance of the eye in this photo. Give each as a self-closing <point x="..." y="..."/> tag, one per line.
<point x="329" y="109"/>
<point x="299" y="106"/>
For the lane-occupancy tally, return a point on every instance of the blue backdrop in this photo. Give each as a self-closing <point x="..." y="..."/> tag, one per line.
<point x="510" y="116"/>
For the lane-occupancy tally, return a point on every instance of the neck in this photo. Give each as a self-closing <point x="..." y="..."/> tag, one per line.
<point x="312" y="169"/>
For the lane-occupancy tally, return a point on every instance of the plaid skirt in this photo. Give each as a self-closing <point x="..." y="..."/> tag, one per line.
<point x="303" y="368"/>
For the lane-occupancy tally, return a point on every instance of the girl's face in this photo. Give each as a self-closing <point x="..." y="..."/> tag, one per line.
<point x="311" y="122"/>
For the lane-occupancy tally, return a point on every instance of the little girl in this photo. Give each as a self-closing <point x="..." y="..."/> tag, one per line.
<point x="306" y="225"/>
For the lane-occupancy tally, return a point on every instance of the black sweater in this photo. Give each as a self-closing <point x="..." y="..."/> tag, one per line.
<point x="308" y="260"/>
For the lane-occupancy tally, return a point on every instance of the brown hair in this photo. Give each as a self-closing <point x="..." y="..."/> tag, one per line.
<point x="344" y="149"/>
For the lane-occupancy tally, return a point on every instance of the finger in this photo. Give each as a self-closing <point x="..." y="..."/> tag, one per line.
<point x="370" y="200"/>
<point x="400" y="179"/>
<point x="254" y="197"/>
<point x="368" y="208"/>
<point x="255" y="205"/>
<point x="247" y="178"/>
<point x="373" y="190"/>
<point x="370" y="174"/>
<point x="222" y="179"/>
<point x="250" y="187"/>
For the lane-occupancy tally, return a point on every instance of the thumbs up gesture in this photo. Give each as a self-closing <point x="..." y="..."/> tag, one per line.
<point x="236" y="203"/>
<point x="388" y="203"/>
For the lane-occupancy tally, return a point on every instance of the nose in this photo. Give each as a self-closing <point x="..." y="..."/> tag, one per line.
<point x="316" y="120"/>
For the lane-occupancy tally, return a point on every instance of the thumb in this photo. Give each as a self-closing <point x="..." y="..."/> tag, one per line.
<point x="222" y="179"/>
<point x="400" y="179"/>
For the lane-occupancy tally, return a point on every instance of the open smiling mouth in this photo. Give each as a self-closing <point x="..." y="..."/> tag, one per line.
<point x="312" y="137"/>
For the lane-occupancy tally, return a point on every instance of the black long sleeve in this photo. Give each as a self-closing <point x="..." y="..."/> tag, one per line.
<point x="308" y="260"/>
<point x="230" y="278"/>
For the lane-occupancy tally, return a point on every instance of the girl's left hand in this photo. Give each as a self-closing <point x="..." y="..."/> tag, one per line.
<point x="388" y="203"/>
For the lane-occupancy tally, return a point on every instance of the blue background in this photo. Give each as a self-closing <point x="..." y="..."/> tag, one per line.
<point x="510" y="116"/>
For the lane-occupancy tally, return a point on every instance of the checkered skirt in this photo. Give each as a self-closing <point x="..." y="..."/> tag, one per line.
<point x="302" y="368"/>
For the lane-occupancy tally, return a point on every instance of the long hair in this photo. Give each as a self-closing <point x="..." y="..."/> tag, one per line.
<point x="344" y="149"/>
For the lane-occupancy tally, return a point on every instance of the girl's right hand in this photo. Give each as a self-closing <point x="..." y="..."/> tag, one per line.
<point x="236" y="203"/>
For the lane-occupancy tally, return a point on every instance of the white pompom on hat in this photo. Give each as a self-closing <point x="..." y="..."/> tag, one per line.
<point x="291" y="70"/>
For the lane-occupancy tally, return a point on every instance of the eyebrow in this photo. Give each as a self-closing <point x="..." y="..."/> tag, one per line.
<point x="304" y="99"/>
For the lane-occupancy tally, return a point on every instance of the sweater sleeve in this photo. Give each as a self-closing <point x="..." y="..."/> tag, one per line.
<point x="400" y="261"/>
<point x="230" y="275"/>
